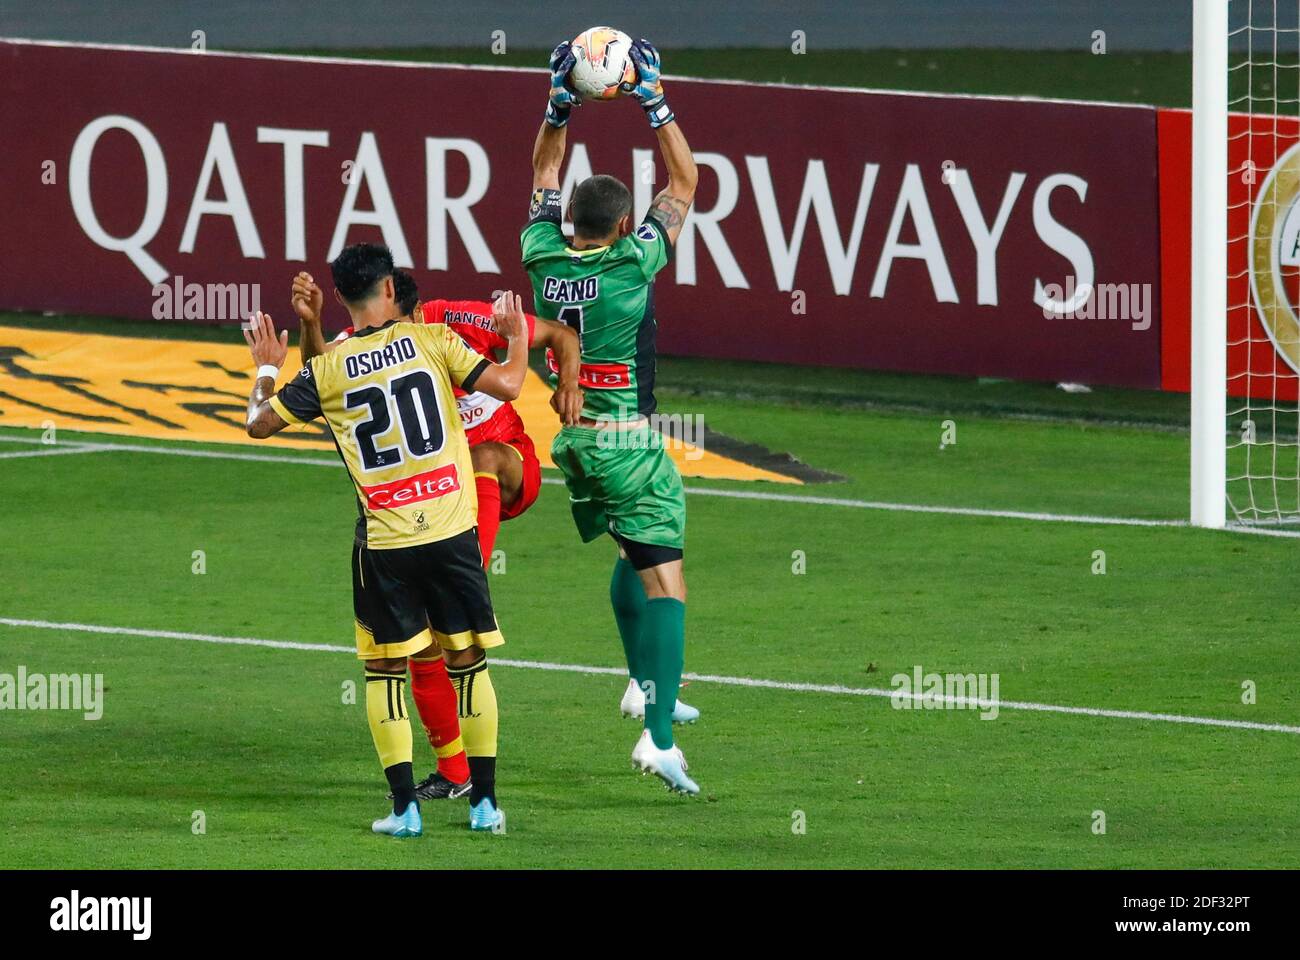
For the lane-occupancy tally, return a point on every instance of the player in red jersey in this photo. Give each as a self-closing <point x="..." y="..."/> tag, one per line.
<point x="507" y="475"/>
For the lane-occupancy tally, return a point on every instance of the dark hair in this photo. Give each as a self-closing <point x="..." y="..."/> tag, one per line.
<point x="358" y="270"/>
<point x="599" y="203"/>
<point x="405" y="291"/>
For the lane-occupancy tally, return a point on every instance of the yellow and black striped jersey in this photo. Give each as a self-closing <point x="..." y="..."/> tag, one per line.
<point x="386" y="393"/>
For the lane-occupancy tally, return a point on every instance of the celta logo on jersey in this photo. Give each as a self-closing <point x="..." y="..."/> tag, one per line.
<point x="558" y="290"/>
<point x="596" y="376"/>
<point x="372" y="361"/>
<point x="404" y="492"/>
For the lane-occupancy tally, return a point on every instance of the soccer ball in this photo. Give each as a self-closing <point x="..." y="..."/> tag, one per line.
<point x="602" y="62"/>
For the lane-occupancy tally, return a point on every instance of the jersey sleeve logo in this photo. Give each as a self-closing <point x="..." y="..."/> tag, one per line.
<point x="647" y="233"/>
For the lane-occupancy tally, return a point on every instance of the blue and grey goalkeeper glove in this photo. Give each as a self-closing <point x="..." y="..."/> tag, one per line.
<point x="649" y="89"/>
<point x="562" y="98"/>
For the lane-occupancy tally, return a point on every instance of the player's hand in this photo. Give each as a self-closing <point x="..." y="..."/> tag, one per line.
<point x="567" y="401"/>
<point x="307" y="298"/>
<point x="508" y="315"/>
<point x="562" y="99"/>
<point x="266" y="347"/>
<point x="649" y="80"/>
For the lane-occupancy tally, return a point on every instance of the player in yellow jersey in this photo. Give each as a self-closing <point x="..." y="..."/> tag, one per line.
<point x="386" y="394"/>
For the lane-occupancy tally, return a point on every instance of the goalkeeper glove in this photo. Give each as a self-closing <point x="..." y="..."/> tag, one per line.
<point x="562" y="98"/>
<point x="649" y="89"/>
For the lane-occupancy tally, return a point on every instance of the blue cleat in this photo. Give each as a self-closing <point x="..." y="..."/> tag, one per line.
<point x="633" y="705"/>
<point x="405" y="824"/>
<point x="485" y="816"/>
<point x="685" y="713"/>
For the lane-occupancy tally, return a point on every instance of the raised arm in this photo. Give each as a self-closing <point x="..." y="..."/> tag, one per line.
<point x="548" y="149"/>
<point x="673" y="201"/>
<point x="548" y="156"/>
<point x="269" y="352"/>
<point x="308" y="302"/>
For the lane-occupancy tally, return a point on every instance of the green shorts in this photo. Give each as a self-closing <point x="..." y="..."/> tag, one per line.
<point x="622" y="482"/>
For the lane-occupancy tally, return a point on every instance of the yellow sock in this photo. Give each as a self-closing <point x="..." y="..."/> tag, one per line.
<point x="386" y="712"/>
<point x="476" y="702"/>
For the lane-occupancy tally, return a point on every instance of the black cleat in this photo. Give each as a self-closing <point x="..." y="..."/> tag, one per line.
<point x="437" y="787"/>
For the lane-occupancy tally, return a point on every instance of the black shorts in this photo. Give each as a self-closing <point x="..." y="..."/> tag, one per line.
<point x="643" y="556"/>
<point x="406" y="598"/>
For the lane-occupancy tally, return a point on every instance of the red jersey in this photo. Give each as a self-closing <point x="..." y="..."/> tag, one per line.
<point x="485" y="419"/>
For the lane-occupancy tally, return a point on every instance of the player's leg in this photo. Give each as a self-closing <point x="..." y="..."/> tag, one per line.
<point x="583" y="461"/>
<point x="390" y="626"/>
<point x="391" y="732"/>
<point x="661" y="654"/>
<point x="627" y="599"/>
<point x="621" y="481"/>
<point x="661" y="646"/>
<point x="459" y="607"/>
<point x="645" y="503"/>
<point x="480" y="719"/>
<point x="627" y="596"/>
<point x="500" y="476"/>
<point x="435" y="701"/>
<point x="520" y="477"/>
<point x="431" y="688"/>
<point x="498" y="480"/>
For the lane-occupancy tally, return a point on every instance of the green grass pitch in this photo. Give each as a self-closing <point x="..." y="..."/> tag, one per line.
<point x="283" y="771"/>
<point x="260" y="741"/>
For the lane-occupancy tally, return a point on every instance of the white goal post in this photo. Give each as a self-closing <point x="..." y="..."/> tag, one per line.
<point x="1209" y="261"/>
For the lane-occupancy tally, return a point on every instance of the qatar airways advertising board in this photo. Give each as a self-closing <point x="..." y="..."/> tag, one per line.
<point x="962" y="235"/>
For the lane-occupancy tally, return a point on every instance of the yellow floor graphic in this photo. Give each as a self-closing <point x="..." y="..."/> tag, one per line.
<point x="188" y="390"/>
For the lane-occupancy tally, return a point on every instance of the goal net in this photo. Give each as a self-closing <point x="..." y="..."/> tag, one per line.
<point x="1261" y="362"/>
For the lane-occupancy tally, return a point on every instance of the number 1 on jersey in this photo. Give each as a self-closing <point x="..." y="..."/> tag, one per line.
<point x="572" y="317"/>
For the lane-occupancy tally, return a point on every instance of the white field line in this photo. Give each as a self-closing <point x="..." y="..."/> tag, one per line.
<point x="61" y="450"/>
<point x="923" y="508"/>
<point x="697" y="491"/>
<point x="828" y="688"/>
<point x="187" y="452"/>
<point x="1262" y="531"/>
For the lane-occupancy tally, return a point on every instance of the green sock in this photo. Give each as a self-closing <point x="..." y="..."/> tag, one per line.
<point x="663" y="649"/>
<point x="627" y="597"/>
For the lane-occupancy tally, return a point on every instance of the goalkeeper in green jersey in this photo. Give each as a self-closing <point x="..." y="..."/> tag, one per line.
<point x="621" y="481"/>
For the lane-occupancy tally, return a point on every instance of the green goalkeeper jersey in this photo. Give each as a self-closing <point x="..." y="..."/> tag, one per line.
<point x="607" y="296"/>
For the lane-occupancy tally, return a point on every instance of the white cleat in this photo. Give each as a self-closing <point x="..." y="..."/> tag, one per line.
<point x="668" y="765"/>
<point x="633" y="705"/>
